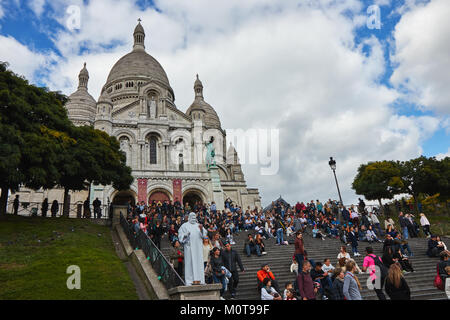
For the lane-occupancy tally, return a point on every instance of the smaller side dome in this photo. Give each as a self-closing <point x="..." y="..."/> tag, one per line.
<point x="210" y="117"/>
<point x="81" y="106"/>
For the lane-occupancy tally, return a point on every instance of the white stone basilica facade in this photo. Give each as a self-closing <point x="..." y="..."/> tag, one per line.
<point x="164" y="146"/>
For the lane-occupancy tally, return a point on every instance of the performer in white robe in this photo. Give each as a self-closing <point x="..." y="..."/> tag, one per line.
<point x="191" y="235"/>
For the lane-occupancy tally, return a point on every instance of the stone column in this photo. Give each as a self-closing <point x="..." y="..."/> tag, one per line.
<point x="217" y="195"/>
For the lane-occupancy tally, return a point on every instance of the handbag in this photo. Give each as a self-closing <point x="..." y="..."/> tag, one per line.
<point x="438" y="283"/>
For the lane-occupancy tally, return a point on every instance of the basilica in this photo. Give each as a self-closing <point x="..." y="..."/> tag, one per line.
<point x="164" y="146"/>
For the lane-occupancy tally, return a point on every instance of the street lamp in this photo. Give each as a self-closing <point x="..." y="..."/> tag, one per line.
<point x="332" y="164"/>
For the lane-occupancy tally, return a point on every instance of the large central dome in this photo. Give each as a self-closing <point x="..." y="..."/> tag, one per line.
<point x="138" y="63"/>
<point x="134" y="69"/>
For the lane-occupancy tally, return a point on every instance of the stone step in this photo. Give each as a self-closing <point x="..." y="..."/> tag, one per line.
<point x="280" y="258"/>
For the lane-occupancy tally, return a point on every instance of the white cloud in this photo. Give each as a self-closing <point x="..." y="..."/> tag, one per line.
<point x="423" y="54"/>
<point x="22" y="60"/>
<point x="263" y="64"/>
<point x="441" y="156"/>
<point x="37" y="6"/>
<point x="2" y="12"/>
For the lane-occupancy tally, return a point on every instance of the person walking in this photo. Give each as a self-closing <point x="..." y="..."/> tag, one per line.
<point x="305" y="283"/>
<point x="371" y="262"/>
<point x="44" y="208"/>
<point x="230" y="261"/>
<point x="217" y="271"/>
<point x="299" y="250"/>
<point x="54" y="208"/>
<point x="396" y="286"/>
<point x="156" y="233"/>
<point x="425" y="225"/>
<point x="403" y="225"/>
<point x="97" y="208"/>
<point x="353" y="238"/>
<point x="352" y="286"/>
<point x="86" y="209"/>
<point x="16" y="205"/>
<point x="279" y="230"/>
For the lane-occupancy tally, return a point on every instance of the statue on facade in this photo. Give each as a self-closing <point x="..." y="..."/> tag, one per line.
<point x="191" y="235"/>
<point x="151" y="108"/>
<point x="210" y="154"/>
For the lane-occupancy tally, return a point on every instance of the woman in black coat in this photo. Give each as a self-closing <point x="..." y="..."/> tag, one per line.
<point x="396" y="286"/>
<point x="337" y="289"/>
<point x="388" y="257"/>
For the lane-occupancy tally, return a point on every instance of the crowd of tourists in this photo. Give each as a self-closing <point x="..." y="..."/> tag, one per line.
<point x="285" y="225"/>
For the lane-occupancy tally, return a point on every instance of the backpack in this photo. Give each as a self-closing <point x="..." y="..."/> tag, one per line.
<point x="438" y="283"/>
<point x="383" y="269"/>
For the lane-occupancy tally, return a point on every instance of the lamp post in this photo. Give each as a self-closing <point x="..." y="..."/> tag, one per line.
<point x="332" y="164"/>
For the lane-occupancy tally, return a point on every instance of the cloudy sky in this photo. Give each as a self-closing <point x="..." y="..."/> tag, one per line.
<point x="313" y="69"/>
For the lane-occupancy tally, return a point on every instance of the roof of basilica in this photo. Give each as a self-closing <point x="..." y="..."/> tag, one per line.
<point x="138" y="63"/>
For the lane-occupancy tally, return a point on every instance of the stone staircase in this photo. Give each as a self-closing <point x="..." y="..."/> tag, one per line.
<point x="279" y="259"/>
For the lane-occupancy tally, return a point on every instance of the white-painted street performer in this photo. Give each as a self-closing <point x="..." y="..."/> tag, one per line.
<point x="191" y="235"/>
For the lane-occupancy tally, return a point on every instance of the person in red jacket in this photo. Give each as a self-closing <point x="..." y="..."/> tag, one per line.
<point x="265" y="272"/>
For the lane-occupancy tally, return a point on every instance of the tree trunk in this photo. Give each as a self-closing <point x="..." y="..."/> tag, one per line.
<point x="66" y="205"/>
<point x="381" y="206"/>
<point x="416" y="204"/>
<point x="3" y="200"/>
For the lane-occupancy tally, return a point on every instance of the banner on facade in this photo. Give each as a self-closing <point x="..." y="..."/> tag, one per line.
<point x="177" y="190"/>
<point x="142" y="190"/>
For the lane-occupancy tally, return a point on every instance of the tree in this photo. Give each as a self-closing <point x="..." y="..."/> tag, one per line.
<point x="378" y="180"/>
<point x="92" y="157"/>
<point x="421" y="175"/>
<point x="27" y="156"/>
<point x="443" y="182"/>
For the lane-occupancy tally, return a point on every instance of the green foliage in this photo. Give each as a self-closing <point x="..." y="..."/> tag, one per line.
<point x="421" y="175"/>
<point x="377" y="180"/>
<point x="420" y="178"/>
<point x="93" y="157"/>
<point x="27" y="157"/>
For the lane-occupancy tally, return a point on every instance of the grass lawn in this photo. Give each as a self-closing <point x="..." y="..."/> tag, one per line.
<point x="35" y="254"/>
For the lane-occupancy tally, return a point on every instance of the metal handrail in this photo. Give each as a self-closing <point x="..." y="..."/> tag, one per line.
<point x="166" y="273"/>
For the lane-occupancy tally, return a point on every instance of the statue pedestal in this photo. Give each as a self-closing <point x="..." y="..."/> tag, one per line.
<point x="217" y="188"/>
<point x="198" y="292"/>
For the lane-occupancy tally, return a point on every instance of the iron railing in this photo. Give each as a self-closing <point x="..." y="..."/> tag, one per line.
<point x="163" y="268"/>
<point x="76" y="210"/>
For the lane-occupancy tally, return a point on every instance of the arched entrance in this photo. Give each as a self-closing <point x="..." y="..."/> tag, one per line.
<point x="192" y="197"/>
<point x="158" y="196"/>
<point x="122" y="197"/>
